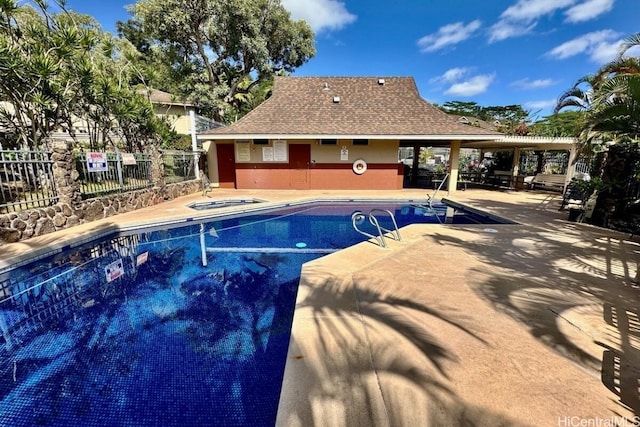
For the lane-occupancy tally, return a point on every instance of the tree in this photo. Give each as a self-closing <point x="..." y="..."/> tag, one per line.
<point x="58" y="70"/>
<point x="511" y="119"/>
<point x="610" y="98"/>
<point x="611" y="101"/>
<point x="462" y="108"/>
<point x="562" y="124"/>
<point x="42" y="67"/>
<point x="230" y="45"/>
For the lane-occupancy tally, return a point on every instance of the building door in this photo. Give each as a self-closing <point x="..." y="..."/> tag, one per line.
<point x="226" y="165"/>
<point x="299" y="159"/>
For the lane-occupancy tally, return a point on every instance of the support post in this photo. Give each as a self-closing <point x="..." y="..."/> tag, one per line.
<point x="571" y="166"/>
<point x="515" y="168"/>
<point x="454" y="164"/>
<point x="194" y="143"/>
<point x="415" y="164"/>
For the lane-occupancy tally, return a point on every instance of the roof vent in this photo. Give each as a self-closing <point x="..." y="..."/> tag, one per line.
<point x="336" y="100"/>
<point x="380" y="82"/>
<point x="325" y="86"/>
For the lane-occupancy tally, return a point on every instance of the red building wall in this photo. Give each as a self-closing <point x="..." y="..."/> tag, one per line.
<point x="319" y="177"/>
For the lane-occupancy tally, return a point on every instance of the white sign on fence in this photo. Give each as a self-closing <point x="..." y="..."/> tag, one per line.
<point x="114" y="270"/>
<point x="97" y="162"/>
<point x="128" y="159"/>
<point x="142" y="258"/>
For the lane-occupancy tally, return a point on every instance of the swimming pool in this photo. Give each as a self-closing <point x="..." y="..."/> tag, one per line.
<point x="183" y="326"/>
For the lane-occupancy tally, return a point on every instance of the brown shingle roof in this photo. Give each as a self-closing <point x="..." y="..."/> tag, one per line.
<point x="159" y="97"/>
<point x="367" y="106"/>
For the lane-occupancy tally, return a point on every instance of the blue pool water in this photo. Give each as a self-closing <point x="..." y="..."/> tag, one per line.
<point x="184" y="326"/>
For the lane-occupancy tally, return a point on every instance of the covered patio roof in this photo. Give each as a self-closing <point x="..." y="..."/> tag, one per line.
<point x="501" y="143"/>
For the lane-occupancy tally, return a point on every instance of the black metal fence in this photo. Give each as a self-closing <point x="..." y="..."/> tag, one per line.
<point x="26" y="180"/>
<point x="38" y="298"/>
<point x="179" y="166"/>
<point x="106" y="173"/>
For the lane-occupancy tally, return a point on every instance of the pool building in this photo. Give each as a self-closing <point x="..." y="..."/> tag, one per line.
<point x="332" y="133"/>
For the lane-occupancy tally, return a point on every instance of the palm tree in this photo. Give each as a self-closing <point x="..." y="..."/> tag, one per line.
<point x="611" y="100"/>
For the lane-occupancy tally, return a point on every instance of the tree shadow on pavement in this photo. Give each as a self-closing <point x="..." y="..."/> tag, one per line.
<point x="570" y="286"/>
<point x="373" y="359"/>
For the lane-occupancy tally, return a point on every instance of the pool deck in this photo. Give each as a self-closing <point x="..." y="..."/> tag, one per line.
<point x="535" y="324"/>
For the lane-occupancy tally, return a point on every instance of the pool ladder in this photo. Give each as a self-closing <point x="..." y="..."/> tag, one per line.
<point x="358" y="217"/>
<point x="429" y="206"/>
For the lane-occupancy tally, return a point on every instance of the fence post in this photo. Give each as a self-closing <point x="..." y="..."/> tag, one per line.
<point x="65" y="175"/>
<point x="119" y="169"/>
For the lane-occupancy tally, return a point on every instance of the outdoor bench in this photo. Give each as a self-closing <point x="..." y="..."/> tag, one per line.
<point x="548" y="181"/>
<point x="499" y="178"/>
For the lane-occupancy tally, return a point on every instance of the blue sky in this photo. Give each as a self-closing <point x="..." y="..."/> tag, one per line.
<point x="523" y="52"/>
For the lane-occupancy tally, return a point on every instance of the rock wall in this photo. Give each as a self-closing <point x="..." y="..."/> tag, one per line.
<point x="23" y="225"/>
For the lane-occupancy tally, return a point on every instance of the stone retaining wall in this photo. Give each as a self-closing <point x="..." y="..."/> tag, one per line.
<point x="23" y="225"/>
<point x="71" y="210"/>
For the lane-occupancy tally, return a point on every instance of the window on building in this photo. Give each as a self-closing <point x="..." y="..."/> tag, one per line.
<point x="328" y="142"/>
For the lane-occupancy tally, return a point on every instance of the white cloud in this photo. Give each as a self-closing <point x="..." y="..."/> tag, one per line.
<point x="472" y="86"/>
<point x="604" y="51"/>
<point x="448" y="35"/>
<point x="588" y="10"/>
<point x="533" y="84"/>
<point x="504" y="30"/>
<point x="600" y="46"/>
<point x="320" y="14"/>
<point x="530" y="10"/>
<point x="452" y="75"/>
<point x="541" y="105"/>
<point x="523" y="16"/>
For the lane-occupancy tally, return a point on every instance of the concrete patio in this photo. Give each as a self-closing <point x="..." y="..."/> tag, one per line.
<point x="528" y="324"/>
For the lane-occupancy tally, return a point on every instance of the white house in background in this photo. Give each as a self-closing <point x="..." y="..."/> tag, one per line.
<point x="168" y="106"/>
<point x="165" y="105"/>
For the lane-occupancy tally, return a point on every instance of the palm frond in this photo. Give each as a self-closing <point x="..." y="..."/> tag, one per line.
<point x="574" y="97"/>
<point x="628" y="43"/>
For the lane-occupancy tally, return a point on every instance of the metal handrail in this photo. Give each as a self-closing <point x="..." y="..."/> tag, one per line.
<point x="395" y="233"/>
<point x="434" y="196"/>
<point x="360" y="216"/>
<point x="439" y="188"/>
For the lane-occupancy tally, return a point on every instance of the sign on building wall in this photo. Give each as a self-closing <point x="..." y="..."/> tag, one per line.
<point x="344" y="153"/>
<point x="243" y="151"/>
<point x="267" y="154"/>
<point x="280" y="151"/>
<point x="97" y="162"/>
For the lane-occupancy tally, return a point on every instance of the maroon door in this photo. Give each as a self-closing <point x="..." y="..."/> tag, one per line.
<point x="299" y="159"/>
<point x="226" y="165"/>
